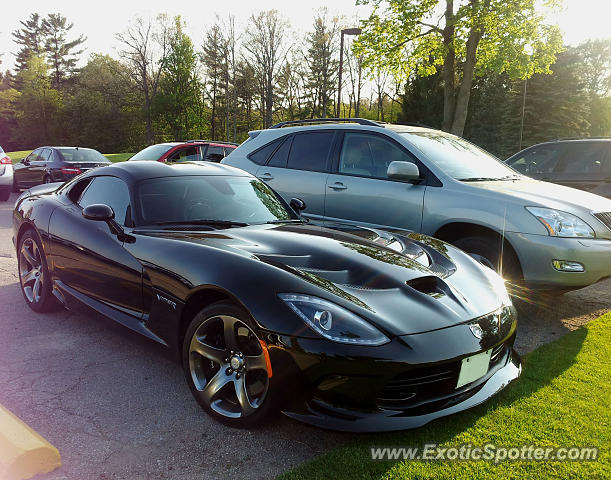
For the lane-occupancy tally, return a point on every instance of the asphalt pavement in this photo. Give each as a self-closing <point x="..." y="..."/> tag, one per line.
<point x="116" y="405"/>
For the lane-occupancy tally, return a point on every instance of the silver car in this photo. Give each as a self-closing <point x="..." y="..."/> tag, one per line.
<point x="541" y="235"/>
<point x="6" y="176"/>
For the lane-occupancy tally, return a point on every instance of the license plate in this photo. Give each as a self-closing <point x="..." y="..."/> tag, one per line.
<point x="474" y="367"/>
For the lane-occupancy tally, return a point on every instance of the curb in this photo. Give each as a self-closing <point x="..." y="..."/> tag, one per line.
<point x="23" y="452"/>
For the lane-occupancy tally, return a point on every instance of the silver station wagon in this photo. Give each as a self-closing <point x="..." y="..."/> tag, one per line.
<point x="409" y="178"/>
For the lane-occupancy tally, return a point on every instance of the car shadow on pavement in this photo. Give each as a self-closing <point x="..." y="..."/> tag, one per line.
<point x="116" y="404"/>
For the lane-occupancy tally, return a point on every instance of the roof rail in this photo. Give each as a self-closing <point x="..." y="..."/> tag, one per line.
<point x="360" y="121"/>
<point x="415" y="124"/>
<point x="213" y="141"/>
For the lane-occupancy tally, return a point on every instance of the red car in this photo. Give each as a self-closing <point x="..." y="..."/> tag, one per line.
<point x="191" y="150"/>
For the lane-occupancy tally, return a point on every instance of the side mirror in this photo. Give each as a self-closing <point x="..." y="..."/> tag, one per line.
<point x="297" y="204"/>
<point x="405" y="171"/>
<point x="98" y="212"/>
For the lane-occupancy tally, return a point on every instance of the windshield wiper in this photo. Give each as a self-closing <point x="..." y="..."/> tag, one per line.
<point x="288" y="220"/>
<point x="199" y="221"/>
<point x="478" y="179"/>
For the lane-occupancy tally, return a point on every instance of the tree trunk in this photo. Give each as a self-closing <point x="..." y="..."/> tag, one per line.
<point x="464" y="91"/>
<point x="448" y="67"/>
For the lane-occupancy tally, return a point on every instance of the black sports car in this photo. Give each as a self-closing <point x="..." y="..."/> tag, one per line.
<point x="345" y="328"/>
<point x="55" y="164"/>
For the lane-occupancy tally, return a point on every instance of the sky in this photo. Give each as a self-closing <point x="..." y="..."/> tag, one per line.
<point x="100" y="21"/>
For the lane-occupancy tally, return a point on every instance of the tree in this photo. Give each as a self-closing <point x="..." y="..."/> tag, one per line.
<point x="264" y="42"/>
<point x="144" y="48"/>
<point x="31" y="39"/>
<point x="214" y="58"/>
<point x="39" y="105"/>
<point x="470" y="38"/>
<point x="99" y="110"/>
<point x="322" y="62"/>
<point x="60" y="52"/>
<point x="179" y="98"/>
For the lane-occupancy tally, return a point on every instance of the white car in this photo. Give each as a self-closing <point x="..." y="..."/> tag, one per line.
<point x="6" y="176"/>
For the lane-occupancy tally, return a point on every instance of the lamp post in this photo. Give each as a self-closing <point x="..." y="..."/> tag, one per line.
<point x="345" y="31"/>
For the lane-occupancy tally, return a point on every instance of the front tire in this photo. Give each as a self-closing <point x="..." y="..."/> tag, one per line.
<point x="34" y="275"/>
<point x="226" y="366"/>
<point x="487" y="251"/>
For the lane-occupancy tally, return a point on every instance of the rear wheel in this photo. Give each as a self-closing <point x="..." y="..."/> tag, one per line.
<point x="34" y="274"/>
<point x="226" y="365"/>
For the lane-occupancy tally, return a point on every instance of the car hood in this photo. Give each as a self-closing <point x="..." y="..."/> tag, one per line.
<point x="404" y="284"/>
<point x="537" y="193"/>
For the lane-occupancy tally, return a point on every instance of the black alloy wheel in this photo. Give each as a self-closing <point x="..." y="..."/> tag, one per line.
<point x="226" y="365"/>
<point x="34" y="275"/>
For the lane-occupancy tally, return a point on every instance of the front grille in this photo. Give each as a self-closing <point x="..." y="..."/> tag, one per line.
<point x="604" y="217"/>
<point x="426" y="389"/>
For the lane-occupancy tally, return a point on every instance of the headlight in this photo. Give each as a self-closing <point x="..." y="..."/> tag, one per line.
<point x="562" y="224"/>
<point x="333" y="322"/>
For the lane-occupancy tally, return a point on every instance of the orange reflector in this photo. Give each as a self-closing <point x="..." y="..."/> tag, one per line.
<point x="268" y="362"/>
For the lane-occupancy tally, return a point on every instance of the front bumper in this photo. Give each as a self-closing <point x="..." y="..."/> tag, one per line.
<point x="536" y="253"/>
<point x="403" y="384"/>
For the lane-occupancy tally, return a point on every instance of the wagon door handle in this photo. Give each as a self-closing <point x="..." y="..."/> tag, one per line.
<point x="266" y="176"/>
<point x="338" y="186"/>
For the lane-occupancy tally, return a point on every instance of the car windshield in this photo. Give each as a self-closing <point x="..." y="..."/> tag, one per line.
<point x="154" y="152"/>
<point x="214" y="200"/>
<point x="459" y="158"/>
<point x="78" y="155"/>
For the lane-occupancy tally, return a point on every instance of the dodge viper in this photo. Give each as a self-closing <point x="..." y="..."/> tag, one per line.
<point x="343" y="327"/>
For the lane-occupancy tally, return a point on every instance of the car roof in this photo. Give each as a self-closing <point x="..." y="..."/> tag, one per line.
<point x="132" y="172"/>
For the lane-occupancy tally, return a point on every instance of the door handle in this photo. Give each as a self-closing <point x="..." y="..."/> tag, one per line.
<point x="266" y="176"/>
<point x="338" y="186"/>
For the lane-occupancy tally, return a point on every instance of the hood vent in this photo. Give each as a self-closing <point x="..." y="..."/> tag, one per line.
<point x="429" y="285"/>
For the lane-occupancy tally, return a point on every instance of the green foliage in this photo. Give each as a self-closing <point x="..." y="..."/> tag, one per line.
<point x="561" y="399"/>
<point x="178" y="103"/>
<point x="38" y="106"/>
<point x="402" y="37"/>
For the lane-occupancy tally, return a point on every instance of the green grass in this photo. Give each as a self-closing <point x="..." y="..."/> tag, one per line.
<point x="113" y="157"/>
<point x="563" y="398"/>
<point x="117" y="157"/>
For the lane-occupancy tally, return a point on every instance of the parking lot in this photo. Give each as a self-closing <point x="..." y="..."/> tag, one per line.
<point x="116" y="405"/>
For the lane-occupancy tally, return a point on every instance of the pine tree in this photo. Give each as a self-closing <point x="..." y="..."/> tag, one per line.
<point x="60" y="52"/>
<point x="31" y="39"/>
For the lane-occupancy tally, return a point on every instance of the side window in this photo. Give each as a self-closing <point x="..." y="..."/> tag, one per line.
<point x="188" y="154"/>
<point x="541" y="159"/>
<point x="228" y="150"/>
<point x="215" y="154"/>
<point x="369" y="155"/>
<point x="32" y="157"/>
<point x="46" y="155"/>
<point x="281" y="156"/>
<point x="112" y="192"/>
<point x="583" y="157"/>
<point x="310" y="151"/>
<point x="261" y="155"/>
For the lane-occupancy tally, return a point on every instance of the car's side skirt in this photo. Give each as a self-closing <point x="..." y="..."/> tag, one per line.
<point x="133" y="321"/>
